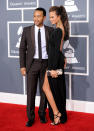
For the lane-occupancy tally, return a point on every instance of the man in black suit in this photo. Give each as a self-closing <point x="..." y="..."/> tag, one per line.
<point x="33" y="62"/>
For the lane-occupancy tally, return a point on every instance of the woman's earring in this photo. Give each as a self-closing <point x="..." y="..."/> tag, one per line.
<point x="58" y="23"/>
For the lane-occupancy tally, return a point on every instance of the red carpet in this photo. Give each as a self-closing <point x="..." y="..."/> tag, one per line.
<point x="13" y="118"/>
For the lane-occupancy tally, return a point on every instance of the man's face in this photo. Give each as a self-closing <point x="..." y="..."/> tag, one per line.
<point x="38" y="18"/>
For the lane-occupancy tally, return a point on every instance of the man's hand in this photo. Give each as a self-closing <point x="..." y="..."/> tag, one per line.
<point x="23" y="71"/>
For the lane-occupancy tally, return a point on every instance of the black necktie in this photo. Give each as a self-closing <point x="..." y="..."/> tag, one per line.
<point x="39" y="44"/>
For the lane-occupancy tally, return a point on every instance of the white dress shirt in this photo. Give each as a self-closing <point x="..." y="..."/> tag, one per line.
<point x="43" y="43"/>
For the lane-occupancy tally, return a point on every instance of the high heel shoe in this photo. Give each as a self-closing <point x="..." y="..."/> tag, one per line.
<point x="58" y="115"/>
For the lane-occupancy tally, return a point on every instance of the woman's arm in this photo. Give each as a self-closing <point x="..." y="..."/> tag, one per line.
<point x="54" y="51"/>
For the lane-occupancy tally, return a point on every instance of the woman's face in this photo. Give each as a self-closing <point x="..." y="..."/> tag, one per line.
<point x="53" y="17"/>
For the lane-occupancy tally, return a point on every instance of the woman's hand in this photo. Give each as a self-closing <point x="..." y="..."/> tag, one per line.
<point x="65" y="60"/>
<point x="54" y="74"/>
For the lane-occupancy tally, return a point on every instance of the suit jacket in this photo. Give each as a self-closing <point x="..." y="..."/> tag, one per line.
<point x="27" y="45"/>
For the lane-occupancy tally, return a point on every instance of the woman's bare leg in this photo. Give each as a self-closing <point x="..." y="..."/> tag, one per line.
<point x="48" y="93"/>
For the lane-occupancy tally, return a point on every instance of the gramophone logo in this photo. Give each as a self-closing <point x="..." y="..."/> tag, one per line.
<point x="14" y="36"/>
<point x="70" y="6"/>
<point x="69" y="53"/>
<point x="15" y="31"/>
<point x="19" y="33"/>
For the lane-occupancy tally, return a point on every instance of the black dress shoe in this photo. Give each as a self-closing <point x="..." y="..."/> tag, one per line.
<point x="29" y="123"/>
<point x="43" y="119"/>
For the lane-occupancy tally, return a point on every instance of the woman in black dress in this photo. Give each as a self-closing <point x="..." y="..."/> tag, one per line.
<point x="54" y="82"/>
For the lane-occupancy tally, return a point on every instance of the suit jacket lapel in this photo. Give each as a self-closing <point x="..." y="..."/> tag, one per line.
<point x="47" y="37"/>
<point x="33" y="34"/>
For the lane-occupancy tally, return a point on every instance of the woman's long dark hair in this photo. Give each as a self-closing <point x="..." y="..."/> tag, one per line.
<point x="60" y="10"/>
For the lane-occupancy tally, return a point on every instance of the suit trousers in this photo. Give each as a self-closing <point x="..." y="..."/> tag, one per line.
<point x="36" y="72"/>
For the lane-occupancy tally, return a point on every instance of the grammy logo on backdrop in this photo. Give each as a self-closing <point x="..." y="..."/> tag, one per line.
<point x="70" y="6"/>
<point x="19" y="33"/>
<point x="69" y="53"/>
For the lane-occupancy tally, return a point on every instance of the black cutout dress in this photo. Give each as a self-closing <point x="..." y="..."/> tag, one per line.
<point x="57" y="85"/>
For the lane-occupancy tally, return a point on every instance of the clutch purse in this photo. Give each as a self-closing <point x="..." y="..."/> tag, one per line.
<point x="59" y="72"/>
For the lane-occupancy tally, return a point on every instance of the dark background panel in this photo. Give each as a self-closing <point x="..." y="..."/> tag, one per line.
<point x="82" y="88"/>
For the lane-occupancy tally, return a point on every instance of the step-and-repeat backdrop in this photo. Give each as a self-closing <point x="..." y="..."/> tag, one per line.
<point x="79" y="50"/>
